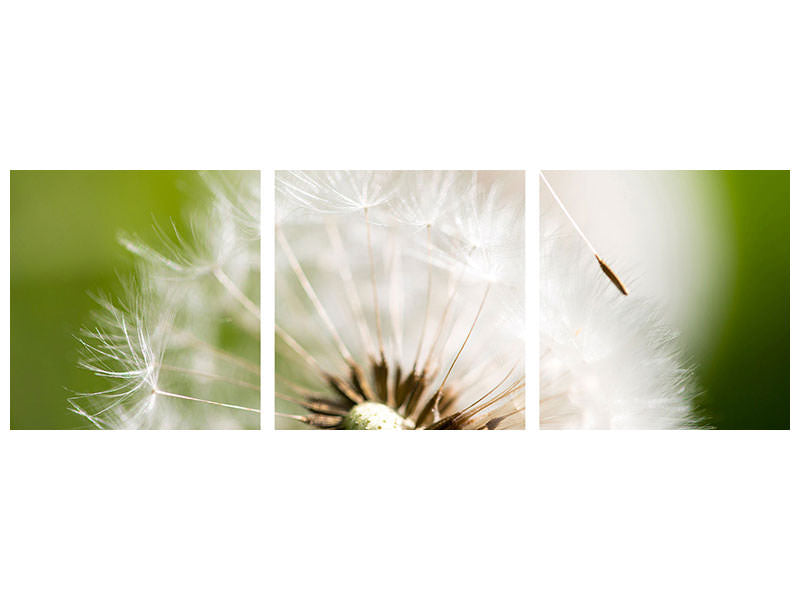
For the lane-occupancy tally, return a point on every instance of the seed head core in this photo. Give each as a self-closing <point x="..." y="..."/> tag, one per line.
<point x="373" y="415"/>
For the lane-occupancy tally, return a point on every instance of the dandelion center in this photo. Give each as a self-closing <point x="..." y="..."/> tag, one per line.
<point x="373" y="415"/>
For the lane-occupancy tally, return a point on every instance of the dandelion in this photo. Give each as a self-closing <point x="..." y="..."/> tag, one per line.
<point x="398" y="300"/>
<point x="180" y="348"/>
<point x="606" y="359"/>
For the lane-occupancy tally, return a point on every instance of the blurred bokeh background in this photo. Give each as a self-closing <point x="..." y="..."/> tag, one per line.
<point x="64" y="232"/>
<point x="746" y="373"/>
<point x="711" y="250"/>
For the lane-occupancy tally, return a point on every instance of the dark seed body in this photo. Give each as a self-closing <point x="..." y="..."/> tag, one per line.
<point x="612" y="276"/>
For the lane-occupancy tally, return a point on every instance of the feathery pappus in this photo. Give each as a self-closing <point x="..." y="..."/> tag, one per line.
<point x="399" y="299"/>
<point x="607" y="361"/>
<point x="180" y="348"/>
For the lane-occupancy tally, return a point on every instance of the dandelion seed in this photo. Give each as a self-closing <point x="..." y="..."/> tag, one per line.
<point x="605" y="361"/>
<point x="603" y="265"/>
<point x="393" y="298"/>
<point x="179" y="349"/>
<point x="611" y="275"/>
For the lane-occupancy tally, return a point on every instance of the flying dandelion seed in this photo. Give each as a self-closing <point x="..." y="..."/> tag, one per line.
<point x="399" y="300"/>
<point x="606" y="359"/>
<point x="180" y="348"/>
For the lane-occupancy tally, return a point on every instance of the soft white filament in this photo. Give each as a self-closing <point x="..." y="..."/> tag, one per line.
<point x="418" y="267"/>
<point x="161" y="346"/>
<point x="607" y="361"/>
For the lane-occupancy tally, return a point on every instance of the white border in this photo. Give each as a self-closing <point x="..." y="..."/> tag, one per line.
<point x="619" y="85"/>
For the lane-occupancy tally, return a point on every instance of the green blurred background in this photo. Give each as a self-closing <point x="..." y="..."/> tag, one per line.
<point x="64" y="231"/>
<point x="745" y="374"/>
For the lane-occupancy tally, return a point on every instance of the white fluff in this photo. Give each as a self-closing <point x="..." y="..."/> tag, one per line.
<point x="607" y="361"/>
<point x="460" y="231"/>
<point x="163" y="350"/>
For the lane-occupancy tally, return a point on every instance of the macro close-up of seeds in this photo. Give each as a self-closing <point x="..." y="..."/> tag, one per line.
<point x="179" y="349"/>
<point x="400" y="299"/>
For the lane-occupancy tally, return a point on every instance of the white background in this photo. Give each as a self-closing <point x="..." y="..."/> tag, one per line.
<point x="238" y="85"/>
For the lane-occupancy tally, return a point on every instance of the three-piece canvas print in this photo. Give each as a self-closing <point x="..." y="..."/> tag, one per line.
<point x="400" y="300"/>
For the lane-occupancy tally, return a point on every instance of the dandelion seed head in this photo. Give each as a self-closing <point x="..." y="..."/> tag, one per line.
<point x="377" y="299"/>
